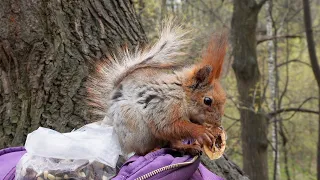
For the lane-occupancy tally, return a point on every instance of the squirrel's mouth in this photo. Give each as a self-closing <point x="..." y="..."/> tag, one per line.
<point x="200" y="122"/>
<point x="196" y="121"/>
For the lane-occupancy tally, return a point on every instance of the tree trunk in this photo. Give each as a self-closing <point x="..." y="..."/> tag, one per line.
<point x="273" y="89"/>
<point x="225" y="168"/>
<point x="315" y="67"/>
<point x="163" y="10"/>
<point x="45" y="50"/>
<point x="245" y="65"/>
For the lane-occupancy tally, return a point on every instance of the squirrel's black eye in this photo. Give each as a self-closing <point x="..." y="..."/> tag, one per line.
<point x="207" y="101"/>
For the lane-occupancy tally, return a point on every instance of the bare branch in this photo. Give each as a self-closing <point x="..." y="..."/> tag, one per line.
<point x="294" y="110"/>
<point x="235" y="122"/>
<point x="264" y="39"/>
<point x="287" y="74"/>
<point x="237" y="105"/>
<point x="293" y="60"/>
<point x="209" y="10"/>
<point x="271" y="145"/>
<point x="300" y="107"/>
<point x="232" y="118"/>
<point x="265" y="91"/>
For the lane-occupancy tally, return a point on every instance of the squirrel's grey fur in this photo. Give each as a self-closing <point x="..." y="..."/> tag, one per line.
<point x="149" y="105"/>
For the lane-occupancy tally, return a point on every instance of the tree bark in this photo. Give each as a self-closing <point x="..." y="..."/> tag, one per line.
<point x="245" y="65"/>
<point x="163" y="9"/>
<point x="225" y="168"/>
<point x="273" y="86"/>
<point x="45" y="50"/>
<point x="315" y="67"/>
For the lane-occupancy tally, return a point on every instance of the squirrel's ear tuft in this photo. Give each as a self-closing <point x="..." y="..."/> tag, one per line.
<point x="210" y="67"/>
<point x="214" y="55"/>
<point x="202" y="75"/>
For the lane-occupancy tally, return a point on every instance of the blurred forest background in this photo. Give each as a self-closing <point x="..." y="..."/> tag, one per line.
<point x="296" y="91"/>
<point x="271" y="74"/>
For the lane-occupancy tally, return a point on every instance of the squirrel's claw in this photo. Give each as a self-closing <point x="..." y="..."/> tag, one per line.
<point x="193" y="150"/>
<point x="205" y="138"/>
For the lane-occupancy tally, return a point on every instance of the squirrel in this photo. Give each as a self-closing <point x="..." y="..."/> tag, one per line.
<point x="150" y="107"/>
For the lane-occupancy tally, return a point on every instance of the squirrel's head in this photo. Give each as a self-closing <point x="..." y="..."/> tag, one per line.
<point x="205" y="95"/>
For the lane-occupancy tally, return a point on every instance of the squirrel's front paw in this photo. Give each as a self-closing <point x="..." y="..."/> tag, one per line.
<point x="205" y="139"/>
<point x="191" y="149"/>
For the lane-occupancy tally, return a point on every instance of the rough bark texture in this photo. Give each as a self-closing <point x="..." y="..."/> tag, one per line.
<point x="45" y="47"/>
<point x="273" y="84"/>
<point x="315" y="67"/>
<point x="225" y="168"/>
<point x="245" y="65"/>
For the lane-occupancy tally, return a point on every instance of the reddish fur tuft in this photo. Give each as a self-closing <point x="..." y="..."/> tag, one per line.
<point x="214" y="55"/>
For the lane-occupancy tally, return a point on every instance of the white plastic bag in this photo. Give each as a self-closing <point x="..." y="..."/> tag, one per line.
<point x="90" y="152"/>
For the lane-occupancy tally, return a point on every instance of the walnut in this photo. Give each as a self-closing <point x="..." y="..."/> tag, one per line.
<point x="219" y="143"/>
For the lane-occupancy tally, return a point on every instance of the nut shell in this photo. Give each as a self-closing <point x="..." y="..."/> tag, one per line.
<point x="219" y="145"/>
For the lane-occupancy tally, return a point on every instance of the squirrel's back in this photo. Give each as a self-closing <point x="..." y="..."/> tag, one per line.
<point x="163" y="55"/>
<point x="144" y="98"/>
<point x="149" y="107"/>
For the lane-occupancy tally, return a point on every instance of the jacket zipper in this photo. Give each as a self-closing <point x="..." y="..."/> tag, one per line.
<point x="165" y="168"/>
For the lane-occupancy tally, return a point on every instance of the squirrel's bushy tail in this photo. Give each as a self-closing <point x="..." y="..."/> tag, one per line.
<point x="162" y="55"/>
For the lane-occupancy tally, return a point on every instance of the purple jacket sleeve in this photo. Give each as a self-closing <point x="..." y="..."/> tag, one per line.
<point x="9" y="158"/>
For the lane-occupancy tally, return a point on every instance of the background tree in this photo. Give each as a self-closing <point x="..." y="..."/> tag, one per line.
<point x="273" y="84"/>
<point x="315" y="66"/>
<point x="253" y="123"/>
